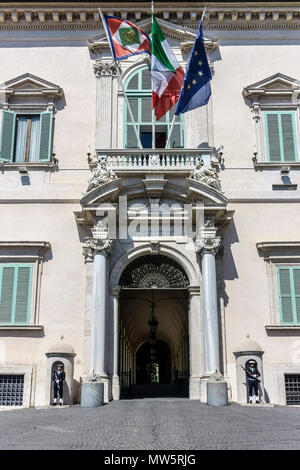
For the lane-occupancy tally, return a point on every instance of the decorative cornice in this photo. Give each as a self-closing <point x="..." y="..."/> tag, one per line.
<point x="93" y="246"/>
<point x="44" y="15"/>
<point x="25" y="244"/>
<point x="268" y="246"/>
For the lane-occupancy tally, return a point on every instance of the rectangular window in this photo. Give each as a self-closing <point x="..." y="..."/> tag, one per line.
<point x="26" y="138"/>
<point x="289" y="294"/>
<point x="292" y="389"/>
<point x="281" y="136"/>
<point x="15" y="293"/>
<point x="11" y="390"/>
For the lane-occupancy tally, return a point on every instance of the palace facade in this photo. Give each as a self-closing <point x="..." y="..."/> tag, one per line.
<point x="152" y="267"/>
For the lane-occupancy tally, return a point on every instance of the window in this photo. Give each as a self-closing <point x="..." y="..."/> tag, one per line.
<point x="11" y="390"/>
<point x="276" y="111"/>
<point x="289" y="294"/>
<point x="26" y="137"/>
<point x="292" y="389"/>
<point x="140" y="98"/>
<point x="15" y="293"/>
<point x="280" y="136"/>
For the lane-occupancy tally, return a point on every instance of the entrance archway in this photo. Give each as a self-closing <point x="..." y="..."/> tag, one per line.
<point x="154" y="344"/>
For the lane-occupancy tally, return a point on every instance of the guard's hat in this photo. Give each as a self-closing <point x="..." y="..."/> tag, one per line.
<point x="252" y="361"/>
<point x="60" y="365"/>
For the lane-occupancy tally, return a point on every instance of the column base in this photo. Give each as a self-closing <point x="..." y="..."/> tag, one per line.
<point x="105" y="381"/>
<point x="91" y="394"/>
<point x="203" y="389"/>
<point x="115" y="387"/>
<point x="194" y="387"/>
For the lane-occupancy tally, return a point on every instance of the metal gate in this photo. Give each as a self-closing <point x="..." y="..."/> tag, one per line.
<point x="292" y="389"/>
<point x="11" y="390"/>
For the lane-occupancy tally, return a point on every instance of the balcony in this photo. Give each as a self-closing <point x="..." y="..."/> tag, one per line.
<point x="167" y="160"/>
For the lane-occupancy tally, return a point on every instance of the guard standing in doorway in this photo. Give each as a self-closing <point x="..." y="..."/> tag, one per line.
<point x="58" y="379"/>
<point x="252" y="374"/>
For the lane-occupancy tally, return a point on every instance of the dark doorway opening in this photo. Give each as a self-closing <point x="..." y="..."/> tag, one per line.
<point x="161" y="373"/>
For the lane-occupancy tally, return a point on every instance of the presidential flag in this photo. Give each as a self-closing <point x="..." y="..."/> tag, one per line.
<point x="167" y="74"/>
<point x="126" y="38"/>
<point x="196" y="87"/>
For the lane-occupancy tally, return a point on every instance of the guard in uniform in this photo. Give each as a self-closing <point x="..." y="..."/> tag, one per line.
<point x="58" y="379"/>
<point x="252" y="374"/>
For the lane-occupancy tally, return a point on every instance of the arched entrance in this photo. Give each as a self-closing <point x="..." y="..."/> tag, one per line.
<point x="153" y="340"/>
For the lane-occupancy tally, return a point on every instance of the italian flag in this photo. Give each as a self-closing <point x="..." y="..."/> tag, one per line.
<point x="126" y="38"/>
<point x="167" y="74"/>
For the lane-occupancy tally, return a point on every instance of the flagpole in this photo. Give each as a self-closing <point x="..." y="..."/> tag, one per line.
<point x="174" y="117"/>
<point x="121" y="81"/>
<point x="153" y="110"/>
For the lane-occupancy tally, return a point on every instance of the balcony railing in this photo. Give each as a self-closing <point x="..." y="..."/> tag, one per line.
<point x="151" y="159"/>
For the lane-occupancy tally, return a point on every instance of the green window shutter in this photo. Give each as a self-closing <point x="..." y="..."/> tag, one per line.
<point x="175" y="141"/>
<point x="15" y="293"/>
<point x="134" y="104"/>
<point x="23" y="294"/>
<point x="273" y="137"/>
<point x="146" y="106"/>
<point x="285" y="293"/>
<point x="296" y="276"/>
<point x="7" y="293"/>
<point x="146" y="80"/>
<point x="8" y="136"/>
<point x="288" y="136"/>
<point x="45" y="136"/>
<point x="133" y="83"/>
<point x="131" y="138"/>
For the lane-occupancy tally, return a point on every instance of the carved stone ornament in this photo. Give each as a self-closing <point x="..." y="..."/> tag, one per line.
<point x="154" y="160"/>
<point x="155" y="247"/>
<point x="158" y="276"/>
<point x="95" y="245"/>
<point x="207" y="244"/>
<point x="102" y="174"/>
<point x="92" y="378"/>
<point x="216" y="377"/>
<point x="206" y="175"/>
<point x="105" y="69"/>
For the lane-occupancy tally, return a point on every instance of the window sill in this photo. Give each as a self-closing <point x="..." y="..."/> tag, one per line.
<point x="4" y="165"/>
<point x="262" y="165"/>
<point x="282" y="327"/>
<point x="21" y="327"/>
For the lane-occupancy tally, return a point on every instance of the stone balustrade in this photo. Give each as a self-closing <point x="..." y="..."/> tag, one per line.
<point x="168" y="159"/>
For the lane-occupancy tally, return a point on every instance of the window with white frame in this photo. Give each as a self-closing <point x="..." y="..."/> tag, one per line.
<point x="275" y="104"/>
<point x="27" y="119"/>
<point x="26" y="137"/>
<point x="15" y="293"/>
<point x="282" y="261"/>
<point x="288" y="278"/>
<point x="280" y="136"/>
<point x="139" y="92"/>
<point x="21" y="265"/>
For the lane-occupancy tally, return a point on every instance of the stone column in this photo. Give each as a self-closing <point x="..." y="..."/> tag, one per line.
<point x="114" y="293"/>
<point x="208" y="246"/>
<point x="98" y="249"/>
<point x="106" y="106"/>
<point x="195" y="343"/>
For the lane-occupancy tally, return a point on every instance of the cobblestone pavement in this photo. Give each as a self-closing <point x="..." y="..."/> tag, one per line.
<point x="151" y="424"/>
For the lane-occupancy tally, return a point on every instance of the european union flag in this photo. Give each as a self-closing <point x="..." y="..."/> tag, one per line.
<point x="195" y="90"/>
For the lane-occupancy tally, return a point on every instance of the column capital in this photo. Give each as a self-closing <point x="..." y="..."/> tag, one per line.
<point x="207" y="245"/>
<point x="105" y="68"/>
<point x="115" y="290"/>
<point x="93" y="246"/>
<point x="194" y="290"/>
